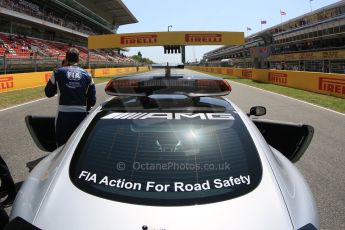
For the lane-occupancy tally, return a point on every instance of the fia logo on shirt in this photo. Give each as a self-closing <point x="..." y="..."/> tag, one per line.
<point x="74" y="76"/>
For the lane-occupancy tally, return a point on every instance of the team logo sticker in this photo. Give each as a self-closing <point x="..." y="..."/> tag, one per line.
<point x="177" y="186"/>
<point x="170" y="116"/>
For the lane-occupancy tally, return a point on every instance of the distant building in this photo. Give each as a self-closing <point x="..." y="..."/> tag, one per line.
<point x="312" y="42"/>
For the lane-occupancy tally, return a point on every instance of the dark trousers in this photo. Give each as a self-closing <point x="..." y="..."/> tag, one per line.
<point x="7" y="188"/>
<point x="3" y="217"/>
<point x="7" y="183"/>
<point x="66" y="123"/>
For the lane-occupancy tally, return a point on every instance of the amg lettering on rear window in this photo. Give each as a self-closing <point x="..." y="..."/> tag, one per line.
<point x="170" y="116"/>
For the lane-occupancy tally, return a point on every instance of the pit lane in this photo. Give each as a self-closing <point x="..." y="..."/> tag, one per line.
<point x="322" y="165"/>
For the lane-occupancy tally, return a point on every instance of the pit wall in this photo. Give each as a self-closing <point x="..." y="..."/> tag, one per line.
<point x="12" y="82"/>
<point x="323" y="83"/>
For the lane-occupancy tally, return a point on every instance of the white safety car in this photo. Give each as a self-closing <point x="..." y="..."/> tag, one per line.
<point x="168" y="152"/>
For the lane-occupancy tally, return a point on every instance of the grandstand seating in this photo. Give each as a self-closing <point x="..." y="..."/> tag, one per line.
<point x="21" y="47"/>
<point x="35" y="10"/>
<point x="14" y="47"/>
<point x="29" y="43"/>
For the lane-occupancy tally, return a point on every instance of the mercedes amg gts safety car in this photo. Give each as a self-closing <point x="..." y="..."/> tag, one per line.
<point x="168" y="152"/>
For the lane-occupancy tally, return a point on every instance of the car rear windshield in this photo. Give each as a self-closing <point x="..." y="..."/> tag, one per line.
<point x="166" y="159"/>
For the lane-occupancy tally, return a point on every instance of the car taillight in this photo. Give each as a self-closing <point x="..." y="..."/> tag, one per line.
<point x="123" y="88"/>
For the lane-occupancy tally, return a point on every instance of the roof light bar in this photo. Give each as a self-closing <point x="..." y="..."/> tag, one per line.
<point x="192" y="87"/>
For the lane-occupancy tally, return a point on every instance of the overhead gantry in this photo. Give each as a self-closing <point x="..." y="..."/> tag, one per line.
<point x="172" y="41"/>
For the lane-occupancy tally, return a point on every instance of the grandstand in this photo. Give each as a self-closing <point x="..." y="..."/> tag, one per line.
<point x="35" y="34"/>
<point x="311" y="42"/>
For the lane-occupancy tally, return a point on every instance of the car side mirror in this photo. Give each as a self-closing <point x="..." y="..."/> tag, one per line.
<point x="8" y="189"/>
<point x="257" y="111"/>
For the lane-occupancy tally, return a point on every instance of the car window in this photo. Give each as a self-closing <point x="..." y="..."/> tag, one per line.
<point x="166" y="158"/>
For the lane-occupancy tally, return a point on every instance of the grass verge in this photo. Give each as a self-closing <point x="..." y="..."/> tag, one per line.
<point x="334" y="103"/>
<point x="8" y="99"/>
<point x="338" y="104"/>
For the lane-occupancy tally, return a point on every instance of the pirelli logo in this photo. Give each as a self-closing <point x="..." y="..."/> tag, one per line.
<point x="47" y="76"/>
<point x="229" y="71"/>
<point x="280" y="78"/>
<point x="138" y="39"/>
<point x="332" y="85"/>
<point x="247" y="73"/>
<point x="331" y="54"/>
<point x="209" y="38"/>
<point x="106" y="71"/>
<point x="6" y="83"/>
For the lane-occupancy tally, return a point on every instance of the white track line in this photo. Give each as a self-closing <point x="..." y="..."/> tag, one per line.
<point x="13" y="107"/>
<point x="30" y="102"/>
<point x="291" y="98"/>
<point x="320" y="107"/>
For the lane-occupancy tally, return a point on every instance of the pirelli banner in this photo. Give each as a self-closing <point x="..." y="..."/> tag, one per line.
<point x="324" y="83"/>
<point x="12" y="82"/>
<point x="322" y="55"/>
<point x="165" y="38"/>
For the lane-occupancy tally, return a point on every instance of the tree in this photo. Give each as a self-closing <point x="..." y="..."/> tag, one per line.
<point x="139" y="58"/>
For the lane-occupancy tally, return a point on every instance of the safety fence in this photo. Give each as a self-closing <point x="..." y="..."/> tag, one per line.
<point x="323" y="83"/>
<point x="39" y="64"/>
<point x="12" y="82"/>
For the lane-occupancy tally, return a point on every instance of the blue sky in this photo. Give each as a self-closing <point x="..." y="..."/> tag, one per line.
<point x="202" y="15"/>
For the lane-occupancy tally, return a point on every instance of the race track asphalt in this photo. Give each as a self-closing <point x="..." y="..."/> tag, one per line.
<point x="323" y="164"/>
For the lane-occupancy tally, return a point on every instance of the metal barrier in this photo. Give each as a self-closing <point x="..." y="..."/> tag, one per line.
<point x="324" y="66"/>
<point x="36" y="64"/>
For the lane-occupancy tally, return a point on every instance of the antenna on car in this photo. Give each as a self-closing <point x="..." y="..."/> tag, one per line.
<point x="167" y="70"/>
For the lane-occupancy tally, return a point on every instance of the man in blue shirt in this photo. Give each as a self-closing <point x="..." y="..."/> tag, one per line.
<point x="77" y="94"/>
